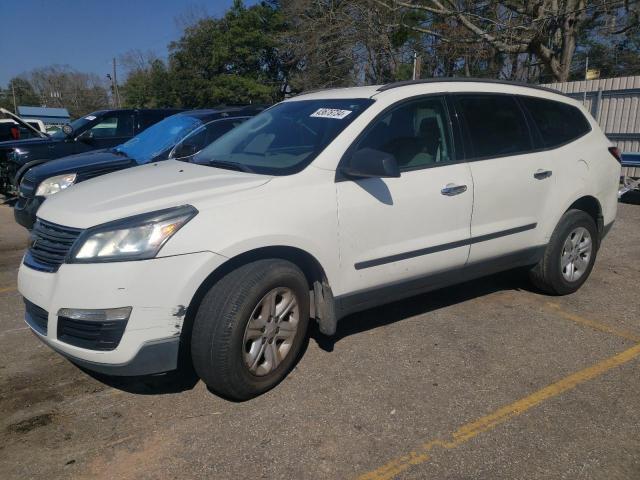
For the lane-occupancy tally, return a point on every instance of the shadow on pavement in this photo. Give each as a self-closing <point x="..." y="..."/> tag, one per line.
<point x="186" y="379"/>
<point x="632" y="197"/>
<point x="421" y="304"/>
<point x="170" y="382"/>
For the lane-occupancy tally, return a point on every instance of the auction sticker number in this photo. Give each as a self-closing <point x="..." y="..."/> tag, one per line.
<point x="334" y="113"/>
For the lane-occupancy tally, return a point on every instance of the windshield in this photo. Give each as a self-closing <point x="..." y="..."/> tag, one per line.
<point x="284" y="139"/>
<point x="76" y="125"/>
<point x="158" y="138"/>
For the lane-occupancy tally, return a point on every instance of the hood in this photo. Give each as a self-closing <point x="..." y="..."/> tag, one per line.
<point x="84" y="164"/>
<point x="143" y="189"/>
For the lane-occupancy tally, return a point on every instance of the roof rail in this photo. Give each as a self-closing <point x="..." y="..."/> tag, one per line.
<point x="314" y="90"/>
<point x="403" y="83"/>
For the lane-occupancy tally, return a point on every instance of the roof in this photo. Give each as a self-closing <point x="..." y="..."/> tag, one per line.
<point x="431" y="85"/>
<point x="492" y="81"/>
<point x="43" y="112"/>
<point x="337" y="93"/>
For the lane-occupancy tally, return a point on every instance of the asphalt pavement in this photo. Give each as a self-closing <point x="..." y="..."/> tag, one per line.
<point x="485" y="380"/>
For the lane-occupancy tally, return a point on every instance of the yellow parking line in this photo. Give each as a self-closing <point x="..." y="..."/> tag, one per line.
<point x="7" y="289"/>
<point x="592" y="323"/>
<point x="488" y="422"/>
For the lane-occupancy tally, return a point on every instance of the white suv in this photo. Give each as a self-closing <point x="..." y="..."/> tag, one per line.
<point x="325" y="204"/>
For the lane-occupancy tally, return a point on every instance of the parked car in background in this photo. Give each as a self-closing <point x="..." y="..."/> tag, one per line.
<point x="15" y="127"/>
<point x="630" y="179"/>
<point x="178" y="137"/>
<point x="12" y="130"/>
<point x="102" y="129"/>
<point x="325" y="204"/>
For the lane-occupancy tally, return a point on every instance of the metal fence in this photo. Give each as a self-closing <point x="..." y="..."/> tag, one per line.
<point x="615" y="104"/>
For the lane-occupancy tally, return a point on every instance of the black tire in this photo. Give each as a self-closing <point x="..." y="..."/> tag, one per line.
<point x="217" y="341"/>
<point x="547" y="274"/>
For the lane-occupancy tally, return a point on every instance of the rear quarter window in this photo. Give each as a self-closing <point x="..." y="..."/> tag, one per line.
<point x="558" y="123"/>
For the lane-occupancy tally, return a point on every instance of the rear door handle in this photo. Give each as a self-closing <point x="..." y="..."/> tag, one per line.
<point x="452" y="189"/>
<point x="542" y="174"/>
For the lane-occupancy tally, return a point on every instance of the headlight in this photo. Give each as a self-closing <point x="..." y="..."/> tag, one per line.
<point x="54" y="184"/>
<point x="134" y="238"/>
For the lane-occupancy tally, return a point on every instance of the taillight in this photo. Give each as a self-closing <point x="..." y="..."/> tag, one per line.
<point x="615" y="151"/>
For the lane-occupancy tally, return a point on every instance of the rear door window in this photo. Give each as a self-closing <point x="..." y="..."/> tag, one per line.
<point x="495" y="123"/>
<point x="558" y="123"/>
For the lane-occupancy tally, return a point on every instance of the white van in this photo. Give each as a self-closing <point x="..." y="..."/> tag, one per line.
<point x="325" y="204"/>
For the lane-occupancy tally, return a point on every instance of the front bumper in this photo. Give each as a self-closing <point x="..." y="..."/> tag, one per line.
<point x="153" y="357"/>
<point x="25" y="209"/>
<point x="158" y="290"/>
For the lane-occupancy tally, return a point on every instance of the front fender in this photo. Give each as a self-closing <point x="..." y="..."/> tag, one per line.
<point x="22" y="170"/>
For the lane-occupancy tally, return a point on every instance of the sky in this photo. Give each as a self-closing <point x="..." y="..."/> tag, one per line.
<point x="87" y="34"/>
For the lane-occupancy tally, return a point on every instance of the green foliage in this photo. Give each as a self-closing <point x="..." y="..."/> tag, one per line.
<point x="24" y="93"/>
<point x="233" y="59"/>
<point x="247" y="54"/>
<point x="149" y="88"/>
<point x="613" y="59"/>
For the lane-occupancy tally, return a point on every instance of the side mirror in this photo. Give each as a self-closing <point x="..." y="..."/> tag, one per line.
<point x="371" y="163"/>
<point x="67" y="130"/>
<point x="184" y="150"/>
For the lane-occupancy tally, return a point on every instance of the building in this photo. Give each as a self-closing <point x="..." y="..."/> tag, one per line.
<point x="51" y="117"/>
<point x="615" y="104"/>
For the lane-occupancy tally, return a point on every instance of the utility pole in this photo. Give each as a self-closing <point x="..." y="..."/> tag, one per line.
<point x="116" y="92"/>
<point x="13" y="90"/>
<point x="586" y="73"/>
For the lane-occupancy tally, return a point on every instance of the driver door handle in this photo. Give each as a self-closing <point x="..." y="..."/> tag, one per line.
<point x="542" y="174"/>
<point x="452" y="189"/>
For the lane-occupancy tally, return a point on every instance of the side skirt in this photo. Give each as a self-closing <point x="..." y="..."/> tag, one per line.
<point x="355" y="302"/>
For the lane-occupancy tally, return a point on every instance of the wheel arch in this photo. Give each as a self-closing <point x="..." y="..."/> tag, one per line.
<point x="322" y="302"/>
<point x="590" y="205"/>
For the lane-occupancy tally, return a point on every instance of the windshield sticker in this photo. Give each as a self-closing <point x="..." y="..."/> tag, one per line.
<point x="90" y="118"/>
<point x="334" y="113"/>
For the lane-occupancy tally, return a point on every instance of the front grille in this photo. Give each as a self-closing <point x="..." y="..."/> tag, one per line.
<point x="50" y="244"/>
<point x="91" y="335"/>
<point x="36" y="317"/>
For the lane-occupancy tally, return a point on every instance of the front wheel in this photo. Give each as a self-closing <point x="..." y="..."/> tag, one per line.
<point x="250" y="327"/>
<point x="569" y="257"/>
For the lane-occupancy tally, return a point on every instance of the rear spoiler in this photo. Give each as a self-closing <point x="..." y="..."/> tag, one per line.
<point x="19" y="121"/>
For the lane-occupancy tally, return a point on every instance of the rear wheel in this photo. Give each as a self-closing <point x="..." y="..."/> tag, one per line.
<point x="250" y="327"/>
<point x="569" y="256"/>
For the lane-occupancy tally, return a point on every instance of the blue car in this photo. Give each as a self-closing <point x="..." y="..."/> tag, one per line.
<point x="177" y="137"/>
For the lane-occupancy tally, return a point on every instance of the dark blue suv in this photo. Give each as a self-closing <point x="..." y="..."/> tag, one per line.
<point x="101" y="129"/>
<point x="177" y="137"/>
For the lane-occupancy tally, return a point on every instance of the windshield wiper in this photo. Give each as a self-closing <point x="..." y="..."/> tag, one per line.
<point x="230" y="166"/>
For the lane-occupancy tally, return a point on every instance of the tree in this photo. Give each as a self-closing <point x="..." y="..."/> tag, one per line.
<point x="612" y="45"/>
<point x="545" y="29"/>
<point x="333" y="43"/>
<point x="23" y="91"/>
<point x="148" y="85"/>
<point x="61" y="86"/>
<point x="233" y="59"/>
